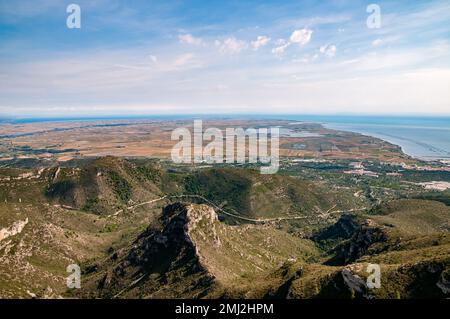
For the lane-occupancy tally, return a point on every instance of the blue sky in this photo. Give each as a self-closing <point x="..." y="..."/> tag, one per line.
<point x="216" y="57"/>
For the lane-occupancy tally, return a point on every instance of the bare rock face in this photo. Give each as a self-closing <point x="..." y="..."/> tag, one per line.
<point x="344" y="228"/>
<point x="14" y="229"/>
<point x="354" y="283"/>
<point x="163" y="257"/>
<point x="202" y="221"/>
<point x="173" y="241"/>
<point x="358" y="244"/>
<point x="444" y="283"/>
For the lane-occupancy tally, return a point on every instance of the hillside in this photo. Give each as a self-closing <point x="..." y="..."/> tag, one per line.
<point x="193" y="254"/>
<point x="269" y="196"/>
<point x="137" y="232"/>
<point x="51" y="217"/>
<point x="105" y="184"/>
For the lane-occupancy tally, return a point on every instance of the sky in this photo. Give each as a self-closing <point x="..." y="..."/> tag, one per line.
<point x="224" y="57"/>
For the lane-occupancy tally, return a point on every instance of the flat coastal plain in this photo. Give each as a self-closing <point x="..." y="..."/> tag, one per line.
<point x="66" y="140"/>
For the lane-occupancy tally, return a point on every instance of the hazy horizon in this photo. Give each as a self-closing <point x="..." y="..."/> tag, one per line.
<point x="354" y="117"/>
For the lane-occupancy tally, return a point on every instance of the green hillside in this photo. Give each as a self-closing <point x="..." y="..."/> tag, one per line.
<point x="246" y="235"/>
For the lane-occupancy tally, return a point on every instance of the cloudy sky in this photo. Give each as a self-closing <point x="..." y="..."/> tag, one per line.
<point x="217" y="57"/>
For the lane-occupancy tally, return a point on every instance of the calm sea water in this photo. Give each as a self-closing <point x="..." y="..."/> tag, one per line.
<point x="427" y="138"/>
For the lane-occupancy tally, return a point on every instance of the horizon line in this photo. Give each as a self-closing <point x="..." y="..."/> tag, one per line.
<point x="4" y="118"/>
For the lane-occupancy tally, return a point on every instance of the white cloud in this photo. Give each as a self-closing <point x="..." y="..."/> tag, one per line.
<point x="190" y="39"/>
<point x="261" y="41"/>
<point x="382" y="82"/>
<point x="278" y="51"/>
<point x="329" y="50"/>
<point x="302" y="36"/>
<point x="377" y="42"/>
<point x="282" y="45"/>
<point x="231" y="45"/>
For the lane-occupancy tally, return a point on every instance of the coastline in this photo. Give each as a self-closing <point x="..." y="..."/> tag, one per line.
<point x="417" y="149"/>
<point x="418" y="140"/>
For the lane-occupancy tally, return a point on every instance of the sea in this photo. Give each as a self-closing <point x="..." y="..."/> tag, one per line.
<point x="425" y="138"/>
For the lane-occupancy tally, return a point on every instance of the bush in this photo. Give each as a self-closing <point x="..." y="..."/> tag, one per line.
<point x="120" y="186"/>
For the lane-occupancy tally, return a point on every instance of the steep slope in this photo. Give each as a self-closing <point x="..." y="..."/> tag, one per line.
<point x="53" y="217"/>
<point x="428" y="278"/>
<point x="251" y="194"/>
<point x="104" y="185"/>
<point x="393" y="226"/>
<point x="192" y="254"/>
<point x="408" y="239"/>
<point x="41" y="234"/>
<point x="38" y="242"/>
